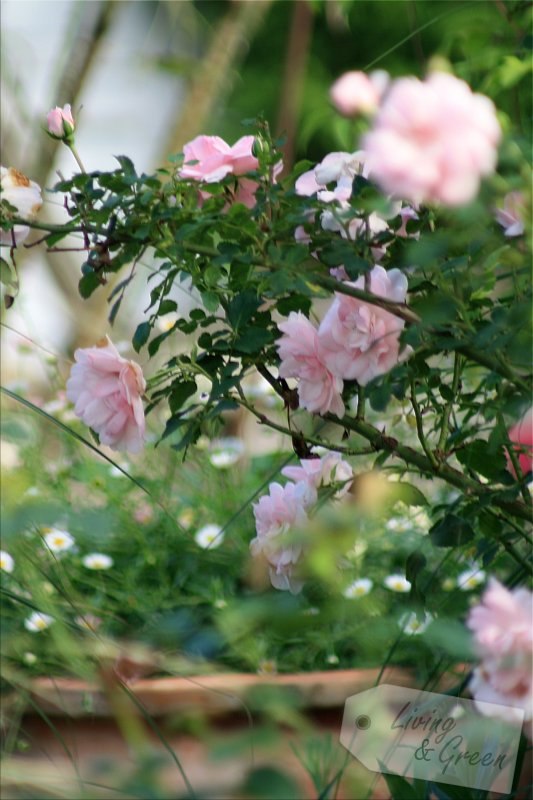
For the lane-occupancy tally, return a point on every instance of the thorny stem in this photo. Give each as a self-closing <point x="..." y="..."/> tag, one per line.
<point x="449" y="405"/>
<point x="264" y="420"/>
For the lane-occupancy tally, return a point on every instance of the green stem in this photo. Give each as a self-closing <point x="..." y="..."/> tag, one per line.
<point x="467" y="485"/>
<point x="448" y="409"/>
<point x="75" y="153"/>
<point x="420" y="428"/>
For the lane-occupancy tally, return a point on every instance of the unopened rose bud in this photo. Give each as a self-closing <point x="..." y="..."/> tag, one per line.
<point x="259" y="146"/>
<point x="61" y="122"/>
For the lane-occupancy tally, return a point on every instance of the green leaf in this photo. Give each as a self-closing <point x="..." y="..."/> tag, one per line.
<point x="141" y="335"/>
<point x="88" y="284"/>
<point x="451" y="531"/>
<point x="253" y="340"/>
<point x="7" y="273"/>
<point x="181" y="391"/>
<point x="399" y="788"/>
<point x="481" y="457"/>
<point x="242" y="308"/>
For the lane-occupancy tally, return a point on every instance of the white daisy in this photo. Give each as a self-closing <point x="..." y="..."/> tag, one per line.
<point x="412" y="625"/>
<point x="97" y="561"/>
<point x="29" y="658"/>
<point x="37" y="622"/>
<point x="209" y="536"/>
<point x="397" y="583"/>
<point x="58" y="540"/>
<point x="223" y="453"/>
<point x="358" y="588"/>
<point x="470" y="578"/>
<point x="332" y="659"/>
<point x="7" y="562"/>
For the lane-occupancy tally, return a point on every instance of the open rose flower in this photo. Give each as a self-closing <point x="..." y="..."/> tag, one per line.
<point x="361" y="341"/>
<point x="356" y="92"/>
<point x="60" y="122"/>
<point x="339" y="168"/>
<point x="503" y="636"/>
<point x="25" y="196"/>
<point x="319" y="390"/>
<point x="107" y="392"/>
<point x="511" y="216"/>
<point x="210" y="159"/>
<point x="276" y="513"/>
<point x="521" y="435"/>
<point x="317" y="472"/>
<point x="433" y="141"/>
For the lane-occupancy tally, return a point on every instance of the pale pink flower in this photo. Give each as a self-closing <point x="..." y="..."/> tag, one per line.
<point x="213" y="156"/>
<point x="356" y="92"/>
<point x="511" y="216"/>
<point x="503" y="635"/>
<point x="25" y="196"/>
<point x="433" y="141"/>
<point x="276" y="514"/>
<point x="339" y="168"/>
<point x="299" y="350"/>
<point x="107" y="392"/>
<point x="317" y="472"/>
<point x="242" y="157"/>
<point x="361" y="341"/>
<point x="60" y="121"/>
<point x="521" y="435"/>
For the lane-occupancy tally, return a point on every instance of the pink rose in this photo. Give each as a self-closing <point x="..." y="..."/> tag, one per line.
<point x="213" y="156"/>
<point x="316" y="472"/>
<point x="276" y="513"/>
<point x="107" y="392"/>
<point x="242" y="157"/>
<point x="503" y="636"/>
<point x="355" y="92"/>
<point x="60" y="121"/>
<point x="521" y="435"/>
<point x="339" y="168"/>
<point x="25" y="196"/>
<point x="361" y="341"/>
<point x="433" y="141"/>
<point x="511" y="216"/>
<point x="299" y="350"/>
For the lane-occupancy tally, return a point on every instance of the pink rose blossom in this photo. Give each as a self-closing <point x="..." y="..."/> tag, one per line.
<point x="107" y="392"/>
<point x="511" y="216"/>
<point x="339" y="168"/>
<point x="521" y="435"/>
<point x="355" y="92"/>
<point x="242" y="157"/>
<point x="316" y="472"/>
<point x="276" y="513"/>
<point x="60" y="121"/>
<point x="214" y="158"/>
<point x="503" y="636"/>
<point x="361" y="341"/>
<point x="299" y="350"/>
<point x="433" y="141"/>
<point x="25" y="196"/>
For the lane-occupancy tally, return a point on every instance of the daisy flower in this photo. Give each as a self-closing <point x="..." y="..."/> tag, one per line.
<point x="209" y="536"/>
<point x="412" y="624"/>
<point x="37" y="622"/>
<point x="7" y="562"/>
<point x="397" y="583"/>
<point x="97" y="561"/>
<point x="358" y="588"/>
<point x="58" y="540"/>
<point x="470" y="579"/>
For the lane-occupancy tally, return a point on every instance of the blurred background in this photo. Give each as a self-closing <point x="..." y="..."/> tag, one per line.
<point x="145" y="77"/>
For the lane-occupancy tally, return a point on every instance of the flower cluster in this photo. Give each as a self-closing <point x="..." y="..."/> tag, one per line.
<point x="503" y="637"/>
<point x="355" y="341"/>
<point x="285" y="509"/>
